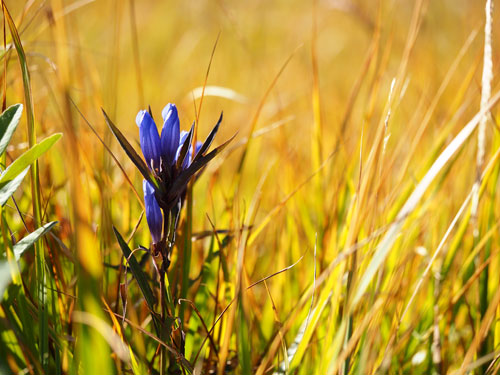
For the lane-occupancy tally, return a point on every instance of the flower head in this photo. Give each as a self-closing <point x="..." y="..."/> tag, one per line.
<point x="161" y="154"/>
<point x="168" y="166"/>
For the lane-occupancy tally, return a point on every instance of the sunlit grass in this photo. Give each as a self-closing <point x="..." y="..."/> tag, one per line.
<point x="349" y="227"/>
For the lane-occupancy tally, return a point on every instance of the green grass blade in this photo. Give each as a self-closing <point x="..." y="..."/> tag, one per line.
<point x="139" y="276"/>
<point x="35" y="192"/>
<point x="394" y="230"/>
<point x="244" y="342"/>
<point x="28" y="158"/>
<point x="129" y="150"/>
<point x="30" y="239"/>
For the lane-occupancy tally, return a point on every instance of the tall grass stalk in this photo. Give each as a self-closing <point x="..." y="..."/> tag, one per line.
<point x="40" y="292"/>
<point x="407" y="267"/>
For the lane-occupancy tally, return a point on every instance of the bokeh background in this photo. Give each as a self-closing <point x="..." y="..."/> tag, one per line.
<point x="310" y="83"/>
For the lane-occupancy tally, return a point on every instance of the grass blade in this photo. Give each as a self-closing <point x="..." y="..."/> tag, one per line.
<point x="28" y="158"/>
<point x="129" y="150"/>
<point x="30" y="239"/>
<point x="40" y="292"/>
<point x="393" y="231"/>
<point x="139" y="276"/>
<point x="181" y="181"/>
<point x="209" y="140"/>
<point x="7" y="189"/>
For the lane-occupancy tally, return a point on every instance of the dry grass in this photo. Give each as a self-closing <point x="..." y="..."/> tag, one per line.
<point x="355" y="161"/>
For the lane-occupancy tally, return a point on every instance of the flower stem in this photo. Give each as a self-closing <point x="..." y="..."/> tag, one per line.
<point x="163" y="353"/>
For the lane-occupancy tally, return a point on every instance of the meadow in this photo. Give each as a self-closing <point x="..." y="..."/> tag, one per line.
<point x="341" y="218"/>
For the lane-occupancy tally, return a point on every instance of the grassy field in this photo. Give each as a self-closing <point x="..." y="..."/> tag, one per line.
<point x="351" y="226"/>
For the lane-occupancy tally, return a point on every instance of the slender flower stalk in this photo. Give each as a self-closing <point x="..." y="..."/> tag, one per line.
<point x="168" y="167"/>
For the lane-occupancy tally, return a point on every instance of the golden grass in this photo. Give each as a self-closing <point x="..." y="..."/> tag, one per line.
<point x="354" y="161"/>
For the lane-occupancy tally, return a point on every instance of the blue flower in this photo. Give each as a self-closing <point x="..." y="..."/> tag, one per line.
<point x="150" y="139"/>
<point x="153" y="212"/>
<point x="170" y="134"/>
<point x="187" y="161"/>
<point x="165" y="177"/>
<point x="161" y="154"/>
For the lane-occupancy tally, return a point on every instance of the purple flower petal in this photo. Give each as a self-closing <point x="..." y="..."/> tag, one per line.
<point x="170" y="133"/>
<point x="153" y="211"/>
<point x="150" y="139"/>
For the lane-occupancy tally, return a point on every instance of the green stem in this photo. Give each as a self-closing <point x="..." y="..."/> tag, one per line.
<point x="163" y="353"/>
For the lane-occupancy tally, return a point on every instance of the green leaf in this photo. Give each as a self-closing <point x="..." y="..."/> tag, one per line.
<point x="8" y="124"/>
<point x="5" y="277"/>
<point x="129" y="150"/>
<point x="244" y="344"/>
<point x="8" y="188"/>
<point x="139" y="276"/>
<point x="28" y="158"/>
<point x="30" y="239"/>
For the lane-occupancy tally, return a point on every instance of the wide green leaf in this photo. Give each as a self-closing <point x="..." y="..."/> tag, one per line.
<point x="30" y="239"/>
<point x="8" y="188"/>
<point x="8" y="124"/>
<point x="28" y="158"/>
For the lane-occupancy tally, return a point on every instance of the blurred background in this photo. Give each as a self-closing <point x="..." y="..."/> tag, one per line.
<point x="310" y="83"/>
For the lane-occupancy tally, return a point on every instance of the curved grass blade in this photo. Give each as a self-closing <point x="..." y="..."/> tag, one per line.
<point x="40" y="291"/>
<point x="139" y="277"/>
<point x="7" y="189"/>
<point x="30" y="239"/>
<point x="9" y="120"/>
<point x="442" y="160"/>
<point x="28" y="158"/>
<point x="129" y="150"/>
<point x="119" y="348"/>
